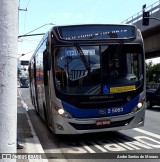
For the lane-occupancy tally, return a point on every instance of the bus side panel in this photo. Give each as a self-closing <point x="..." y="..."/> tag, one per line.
<point x="40" y="87"/>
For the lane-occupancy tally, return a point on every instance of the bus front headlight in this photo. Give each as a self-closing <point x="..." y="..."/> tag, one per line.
<point x="138" y="106"/>
<point x="140" y="103"/>
<point x="62" y="112"/>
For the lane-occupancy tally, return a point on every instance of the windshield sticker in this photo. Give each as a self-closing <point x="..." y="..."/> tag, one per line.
<point x="122" y="89"/>
<point x="105" y="89"/>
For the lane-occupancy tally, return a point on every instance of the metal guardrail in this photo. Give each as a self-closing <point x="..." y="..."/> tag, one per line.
<point x="138" y="16"/>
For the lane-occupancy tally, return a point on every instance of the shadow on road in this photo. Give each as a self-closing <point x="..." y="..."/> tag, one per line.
<point x="155" y="108"/>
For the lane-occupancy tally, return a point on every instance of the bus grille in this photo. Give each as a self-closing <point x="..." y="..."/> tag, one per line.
<point x="94" y="126"/>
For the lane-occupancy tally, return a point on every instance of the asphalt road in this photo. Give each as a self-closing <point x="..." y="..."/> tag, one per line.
<point x="140" y="144"/>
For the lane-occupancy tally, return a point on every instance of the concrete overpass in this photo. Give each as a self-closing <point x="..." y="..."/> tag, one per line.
<point x="151" y="33"/>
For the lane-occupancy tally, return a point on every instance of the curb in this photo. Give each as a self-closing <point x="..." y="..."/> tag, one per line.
<point x="36" y="143"/>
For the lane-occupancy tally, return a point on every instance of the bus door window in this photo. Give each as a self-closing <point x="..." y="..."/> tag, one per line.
<point x="133" y="66"/>
<point x="109" y="63"/>
<point x="60" y="76"/>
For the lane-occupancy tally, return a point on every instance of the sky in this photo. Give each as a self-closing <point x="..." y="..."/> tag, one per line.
<point x="40" y="13"/>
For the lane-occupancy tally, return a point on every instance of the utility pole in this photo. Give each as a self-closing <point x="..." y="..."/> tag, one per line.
<point x="8" y="76"/>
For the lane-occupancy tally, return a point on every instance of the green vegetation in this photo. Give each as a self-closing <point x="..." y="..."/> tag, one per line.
<point x="152" y="73"/>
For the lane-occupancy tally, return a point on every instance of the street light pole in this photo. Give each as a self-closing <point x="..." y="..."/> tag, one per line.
<point x="39" y="28"/>
<point x="30" y="35"/>
<point x="24" y="35"/>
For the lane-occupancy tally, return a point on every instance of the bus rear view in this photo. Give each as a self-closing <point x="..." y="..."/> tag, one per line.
<point x="97" y="80"/>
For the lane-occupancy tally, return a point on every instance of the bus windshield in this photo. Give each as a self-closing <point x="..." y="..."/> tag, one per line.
<point x="82" y="69"/>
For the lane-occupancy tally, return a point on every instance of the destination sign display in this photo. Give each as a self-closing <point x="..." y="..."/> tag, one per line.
<point x="70" y="52"/>
<point x="94" y="32"/>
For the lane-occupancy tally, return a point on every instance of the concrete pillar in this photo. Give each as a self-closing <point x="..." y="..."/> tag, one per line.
<point x="8" y="76"/>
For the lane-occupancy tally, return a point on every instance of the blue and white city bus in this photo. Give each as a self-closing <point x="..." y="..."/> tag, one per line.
<point x="89" y="78"/>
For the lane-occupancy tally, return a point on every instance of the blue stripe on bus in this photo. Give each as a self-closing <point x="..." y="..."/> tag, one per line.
<point x="89" y="113"/>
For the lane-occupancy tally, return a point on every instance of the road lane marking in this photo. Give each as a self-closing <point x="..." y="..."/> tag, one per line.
<point x="72" y="148"/>
<point x="122" y="144"/>
<point x="131" y="144"/>
<point x="109" y="145"/>
<point x="114" y="145"/>
<point x="148" y="141"/>
<point x="147" y="133"/>
<point x="99" y="147"/>
<point x="87" y="148"/>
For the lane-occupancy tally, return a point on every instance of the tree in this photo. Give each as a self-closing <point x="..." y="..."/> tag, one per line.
<point x="149" y="73"/>
<point x="152" y="72"/>
<point x="156" y="71"/>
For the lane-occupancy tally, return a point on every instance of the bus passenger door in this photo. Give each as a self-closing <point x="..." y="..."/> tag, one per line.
<point x="35" y="89"/>
<point x="46" y="68"/>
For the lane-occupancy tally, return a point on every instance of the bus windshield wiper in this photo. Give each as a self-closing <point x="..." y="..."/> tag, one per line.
<point x="82" y="56"/>
<point x="116" y="53"/>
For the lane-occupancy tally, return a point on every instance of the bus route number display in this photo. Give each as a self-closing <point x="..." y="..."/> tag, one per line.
<point x="72" y="52"/>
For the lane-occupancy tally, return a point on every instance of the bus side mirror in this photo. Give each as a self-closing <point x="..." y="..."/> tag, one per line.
<point x="46" y="60"/>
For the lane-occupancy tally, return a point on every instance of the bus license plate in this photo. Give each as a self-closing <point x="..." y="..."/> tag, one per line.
<point x="103" y="122"/>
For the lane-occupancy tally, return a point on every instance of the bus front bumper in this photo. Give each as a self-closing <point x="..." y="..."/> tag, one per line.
<point x="89" y="125"/>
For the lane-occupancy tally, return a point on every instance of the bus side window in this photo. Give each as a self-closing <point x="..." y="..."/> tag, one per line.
<point x="46" y="60"/>
<point x="46" y="66"/>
